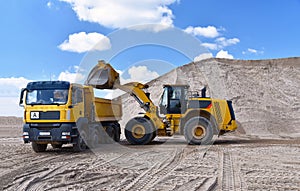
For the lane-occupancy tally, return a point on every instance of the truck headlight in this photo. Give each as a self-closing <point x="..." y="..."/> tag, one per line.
<point x="65" y="133"/>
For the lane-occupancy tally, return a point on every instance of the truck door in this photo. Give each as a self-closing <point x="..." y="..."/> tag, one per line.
<point x="77" y="102"/>
<point x="88" y="104"/>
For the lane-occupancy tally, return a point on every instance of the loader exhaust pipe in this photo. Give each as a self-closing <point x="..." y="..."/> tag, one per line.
<point x="103" y="76"/>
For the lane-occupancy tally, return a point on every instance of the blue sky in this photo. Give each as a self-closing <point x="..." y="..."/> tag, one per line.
<point x="50" y="38"/>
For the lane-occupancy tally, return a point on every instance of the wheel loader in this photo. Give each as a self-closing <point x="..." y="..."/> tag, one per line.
<point x="180" y="110"/>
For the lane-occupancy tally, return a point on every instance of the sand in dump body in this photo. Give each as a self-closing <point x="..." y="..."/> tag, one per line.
<point x="263" y="154"/>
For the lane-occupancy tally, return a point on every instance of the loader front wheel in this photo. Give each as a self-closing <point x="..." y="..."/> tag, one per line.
<point x="139" y="131"/>
<point x="198" y="131"/>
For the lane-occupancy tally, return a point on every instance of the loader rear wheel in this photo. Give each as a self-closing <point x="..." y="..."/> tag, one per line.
<point x="38" y="147"/>
<point x="139" y="131"/>
<point x="198" y="130"/>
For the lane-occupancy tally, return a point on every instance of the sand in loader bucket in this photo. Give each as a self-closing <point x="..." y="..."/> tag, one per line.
<point x="102" y="76"/>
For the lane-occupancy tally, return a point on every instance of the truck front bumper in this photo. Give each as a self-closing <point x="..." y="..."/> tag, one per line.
<point x="48" y="133"/>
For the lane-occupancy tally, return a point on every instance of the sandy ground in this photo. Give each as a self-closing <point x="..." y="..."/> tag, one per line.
<point x="234" y="162"/>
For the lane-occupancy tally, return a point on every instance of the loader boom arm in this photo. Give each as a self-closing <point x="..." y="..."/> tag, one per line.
<point x="103" y="76"/>
<point x="136" y="90"/>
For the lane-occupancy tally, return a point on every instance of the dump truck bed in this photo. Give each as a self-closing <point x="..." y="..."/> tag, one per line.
<point x="107" y="110"/>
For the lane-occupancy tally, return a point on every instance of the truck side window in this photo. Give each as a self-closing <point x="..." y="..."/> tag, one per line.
<point x="76" y="95"/>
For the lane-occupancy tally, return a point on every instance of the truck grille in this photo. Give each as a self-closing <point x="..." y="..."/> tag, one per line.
<point x="48" y="115"/>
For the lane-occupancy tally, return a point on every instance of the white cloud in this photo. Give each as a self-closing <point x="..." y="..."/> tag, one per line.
<point x="11" y="86"/>
<point x="10" y="89"/>
<point x="253" y="51"/>
<point x="151" y="27"/>
<point x="49" y="4"/>
<point x="224" y="54"/>
<point x="211" y="46"/>
<point x="70" y="76"/>
<point x="125" y="13"/>
<point x="83" y="42"/>
<point x="140" y="74"/>
<point x="203" y="56"/>
<point x="208" y="32"/>
<point x="221" y="43"/>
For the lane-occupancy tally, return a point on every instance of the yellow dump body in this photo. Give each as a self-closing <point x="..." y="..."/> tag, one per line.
<point x="107" y="110"/>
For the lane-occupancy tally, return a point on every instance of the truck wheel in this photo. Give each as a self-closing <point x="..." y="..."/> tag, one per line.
<point x="139" y="131"/>
<point x="38" y="147"/>
<point x="56" y="146"/>
<point x="117" y="133"/>
<point x="198" y="130"/>
<point x="80" y="144"/>
<point x="95" y="137"/>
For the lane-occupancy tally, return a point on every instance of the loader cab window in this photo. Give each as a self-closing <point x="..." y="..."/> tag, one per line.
<point x="173" y="100"/>
<point x="163" y="104"/>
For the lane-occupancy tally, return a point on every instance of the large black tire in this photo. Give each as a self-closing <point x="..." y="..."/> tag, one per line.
<point x="56" y="146"/>
<point x="139" y="131"/>
<point x="38" y="147"/>
<point x="109" y="135"/>
<point x="95" y="137"/>
<point x="117" y="133"/>
<point x="198" y="131"/>
<point x="80" y="144"/>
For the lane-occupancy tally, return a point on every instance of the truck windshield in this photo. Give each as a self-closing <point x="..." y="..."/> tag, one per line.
<point x="47" y="97"/>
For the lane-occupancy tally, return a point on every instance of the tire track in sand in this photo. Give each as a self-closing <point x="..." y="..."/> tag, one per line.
<point x="229" y="176"/>
<point x="147" y="179"/>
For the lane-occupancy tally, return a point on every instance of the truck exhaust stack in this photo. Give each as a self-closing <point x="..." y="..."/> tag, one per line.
<point x="103" y="76"/>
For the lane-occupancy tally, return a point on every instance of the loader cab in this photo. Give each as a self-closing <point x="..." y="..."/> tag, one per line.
<point x="174" y="99"/>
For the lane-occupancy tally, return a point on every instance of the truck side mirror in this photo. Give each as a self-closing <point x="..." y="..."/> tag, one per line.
<point x="21" y="102"/>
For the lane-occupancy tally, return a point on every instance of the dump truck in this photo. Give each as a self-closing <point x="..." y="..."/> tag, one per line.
<point x="60" y="112"/>
<point x="180" y="110"/>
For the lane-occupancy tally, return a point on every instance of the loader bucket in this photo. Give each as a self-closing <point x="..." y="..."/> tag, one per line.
<point x="102" y="76"/>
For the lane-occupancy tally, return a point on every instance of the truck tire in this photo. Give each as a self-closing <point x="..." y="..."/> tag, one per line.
<point x="56" y="146"/>
<point x="38" y="147"/>
<point x="117" y="133"/>
<point x="139" y="131"/>
<point x="95" y="137"/>
<point x="80" y="144"/>
<point x="198" y="131"/>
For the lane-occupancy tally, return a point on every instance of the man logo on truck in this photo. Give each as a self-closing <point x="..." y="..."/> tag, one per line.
<point x="34" y="115"/>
